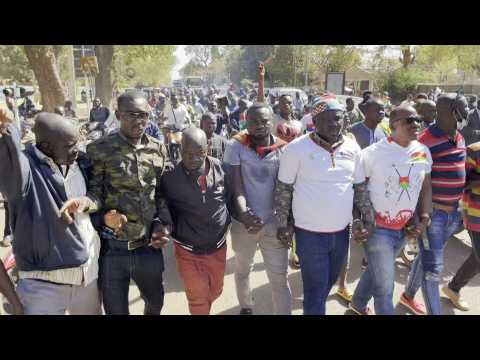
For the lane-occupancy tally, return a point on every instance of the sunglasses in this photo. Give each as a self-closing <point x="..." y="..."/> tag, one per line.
<point x="412" y="119"/>
<point x="132" y="115"/>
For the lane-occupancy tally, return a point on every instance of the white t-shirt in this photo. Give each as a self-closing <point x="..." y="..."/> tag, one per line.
<point x="323" y="192"/>
<point x="180" y="119"/>
<point x="396" y="176"/>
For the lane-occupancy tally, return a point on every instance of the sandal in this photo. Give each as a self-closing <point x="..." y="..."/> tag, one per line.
<point x="343" y="293"/>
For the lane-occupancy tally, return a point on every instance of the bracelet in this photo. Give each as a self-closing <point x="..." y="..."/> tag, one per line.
<point x="425" y="216"/>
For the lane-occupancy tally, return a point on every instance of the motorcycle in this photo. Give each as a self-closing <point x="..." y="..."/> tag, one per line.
<point x="173" y="137"/>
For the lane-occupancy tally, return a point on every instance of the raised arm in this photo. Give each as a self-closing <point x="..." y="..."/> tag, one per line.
<point x="261" y="82"/>
<point x="14" y="167"/>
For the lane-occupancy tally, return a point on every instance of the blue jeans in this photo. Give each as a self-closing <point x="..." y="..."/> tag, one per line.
<point x="322" y="256"/>
<point x="428" y="266"/>
<point x="382" y="248"/>
<point x="119" y="265"/>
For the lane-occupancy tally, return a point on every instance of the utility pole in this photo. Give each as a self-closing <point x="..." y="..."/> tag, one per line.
<point x="72" y="93"/>
<point x="294" y="66"/>
<point x="307" y="63"/>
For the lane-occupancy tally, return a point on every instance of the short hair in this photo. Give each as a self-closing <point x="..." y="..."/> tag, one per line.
<point x="208" y="115"/>
<point x="283" y="96"/>
<point x="367" y="94"/>
<point x="129" y="96"/>
<point x="421" y="96"/>
<point x="256" y="107"/>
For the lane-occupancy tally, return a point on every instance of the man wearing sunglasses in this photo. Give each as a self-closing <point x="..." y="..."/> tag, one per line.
<point x="398" y="171"/>
<point x="126" y="170"/>
<point x="448" y="150"/>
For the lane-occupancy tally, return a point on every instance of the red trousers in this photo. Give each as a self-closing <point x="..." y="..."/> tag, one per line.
<point x="202" y="277"/>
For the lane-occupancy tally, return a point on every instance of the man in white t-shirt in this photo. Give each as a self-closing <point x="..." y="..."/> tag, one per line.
<point x="398" y="171"/>
<point x="177" y="114"/>
<point x="316" y="183"/>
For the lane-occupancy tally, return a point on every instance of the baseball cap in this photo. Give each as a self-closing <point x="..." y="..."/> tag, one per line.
<point x="326" y="104"/>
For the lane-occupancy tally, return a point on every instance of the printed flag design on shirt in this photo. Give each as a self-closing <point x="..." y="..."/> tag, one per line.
<point x="396" y="222"/>
<point x="419" y="157"/>
<point x="404" y="182"/>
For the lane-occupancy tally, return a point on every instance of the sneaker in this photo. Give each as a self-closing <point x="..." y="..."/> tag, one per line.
<point x="367" y="311"/>
<point x="455" y="298"/>
<point x="414" y="306"/>
<point x="343" y="293"/>
<point x="246" y="311"/>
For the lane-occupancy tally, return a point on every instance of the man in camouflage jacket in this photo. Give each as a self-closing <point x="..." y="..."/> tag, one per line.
<point x="126" y="170"/>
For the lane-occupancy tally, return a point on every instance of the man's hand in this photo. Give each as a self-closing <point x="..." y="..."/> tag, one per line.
<point x="415" y="230"/>
<point x="6" y="117"/>
<point x="115" y="220"/>
<point x="285" y="235"/>
<point x="359" y="233"/>
<point x="251" y="221"/>
<point x="261" y="69"/>
<point x="17" y="308"/>
<point x="73" y="206"/>
<point x="160" y="236"/>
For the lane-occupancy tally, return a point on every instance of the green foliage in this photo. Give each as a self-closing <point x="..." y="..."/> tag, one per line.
<point x="151" y="65"/>
<point x="342" y="57"/>
<point x="14" y="64"/>
<point x="245" y="83"/>
<point x="403" y="81"/>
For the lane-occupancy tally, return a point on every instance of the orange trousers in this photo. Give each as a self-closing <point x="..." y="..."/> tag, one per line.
<point x="202" y="277"/>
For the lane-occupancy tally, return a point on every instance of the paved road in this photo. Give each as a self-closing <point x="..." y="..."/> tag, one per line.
<point x="176" y="303"/>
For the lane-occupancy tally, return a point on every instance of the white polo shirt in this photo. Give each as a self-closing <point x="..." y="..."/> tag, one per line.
<point x="323" y="191"/>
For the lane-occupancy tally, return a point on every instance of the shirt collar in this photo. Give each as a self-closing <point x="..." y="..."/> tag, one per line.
<point x="324" y="144"/>
<point x="40" y="155"/>
<point x="49" y="161"/>
<point x="144" y="141"/>
<point x="437" y="132"/>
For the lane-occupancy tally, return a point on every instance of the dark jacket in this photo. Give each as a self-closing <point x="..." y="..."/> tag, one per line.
<point x="101" y="114"/>
<point x="199" y="226"/>
<point x="43" y="242"/>
<point x="471" y="132"/>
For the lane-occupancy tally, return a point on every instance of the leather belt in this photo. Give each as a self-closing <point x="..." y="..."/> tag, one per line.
<point x="129" y="245"/>
<point x="445" y="208"/>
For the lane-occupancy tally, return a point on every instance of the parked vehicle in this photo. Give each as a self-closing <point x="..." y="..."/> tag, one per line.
<point x="279" y="91"/>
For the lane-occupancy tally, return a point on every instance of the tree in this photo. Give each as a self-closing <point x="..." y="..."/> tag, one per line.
<point x="150" y="65"/>
<point x="192" y="68"/>
<point x="403" y="81"/>
<point x="103" y="81"/>
<point x="124" y="65"/>
<point x="43" y="62"/>
<point x="408" y="55"/>
<point x="202" y="54"/>
<point x="14" y="64"/>
<point x="342" y="57"/>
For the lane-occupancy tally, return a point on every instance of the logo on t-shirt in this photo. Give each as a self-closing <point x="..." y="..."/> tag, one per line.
<point x="419" y="157"/>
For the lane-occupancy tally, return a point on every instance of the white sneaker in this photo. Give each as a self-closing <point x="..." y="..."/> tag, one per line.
<point x="455" y="298"/>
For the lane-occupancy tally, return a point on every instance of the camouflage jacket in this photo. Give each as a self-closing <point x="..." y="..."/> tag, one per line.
<point x="126" y="178"/>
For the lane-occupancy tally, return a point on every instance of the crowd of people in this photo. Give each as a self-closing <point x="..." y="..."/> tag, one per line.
<point x="274" y="174"/>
